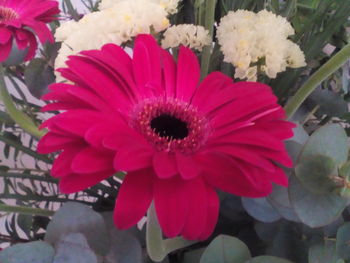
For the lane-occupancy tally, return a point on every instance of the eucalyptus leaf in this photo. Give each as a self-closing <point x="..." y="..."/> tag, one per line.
<point x="32" y="252"/>
<point x="322" y="253"/>
<point x="329" y="140"/>
<point x="74" y="248"/>
<point x="38" y="75"/>
<point x="279" y="199"/>
<point x="268" y="259"/>
<point x="317" y="173"/>
<point x="226" y="249"/>
<point x="330" y="102"/>
<point x="78" y="218"/>
<point x="343" y="242"/>
<point x="314" y="210"/>
<point x="125" y="248"/>
<point x="16" y="56"/>
<point x="260" y="209"/>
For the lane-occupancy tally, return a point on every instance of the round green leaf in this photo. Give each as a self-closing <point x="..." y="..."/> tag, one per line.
<point x="279" y="199"/>
<point x="74" y="248"/>
<point x="33" y="252"/>
<point x="314" y="210"/>
<point x="322" y="253"/>
<point x="260" y="209"/>
<point x="38" y="75"/>
<point x="343" y="242"/>
<point x="226" y="249"/>
<point x="16" y="56"/>
<point x="125" y="248"/>
<point x="316" y="173"/>
<point x="79" y="218"/>
<point x="329" y="140"/>
<point x="268" y="259"/>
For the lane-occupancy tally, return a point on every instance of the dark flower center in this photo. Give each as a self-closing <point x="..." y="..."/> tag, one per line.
<point x="7" y="14"/>
<point x="170" y="127"/>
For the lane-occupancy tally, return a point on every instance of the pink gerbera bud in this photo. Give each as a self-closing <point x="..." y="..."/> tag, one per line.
<point x="178" y="140"/>
<point x="20" y="19"/>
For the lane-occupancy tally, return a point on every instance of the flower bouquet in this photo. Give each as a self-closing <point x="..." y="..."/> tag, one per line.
<point x="175" y="131"/>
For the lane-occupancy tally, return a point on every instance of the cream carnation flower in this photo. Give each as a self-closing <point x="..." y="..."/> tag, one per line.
<point x="117" y="24"/>
<point x="170" y="6"/>
<point x="186" y="34"/>
<point x="258" y="43"/>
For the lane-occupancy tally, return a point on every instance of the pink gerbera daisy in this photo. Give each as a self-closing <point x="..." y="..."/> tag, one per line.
<point x="178" y="140"/>
<point x="20" y="19"/>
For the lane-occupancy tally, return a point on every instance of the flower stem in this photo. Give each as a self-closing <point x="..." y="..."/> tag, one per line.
<point x="18" y="116"/>
<point x="316" y="79"/>
<point x="157" y="247"/>
<point x="26" y="210"/>
<point x="208" y="24"/>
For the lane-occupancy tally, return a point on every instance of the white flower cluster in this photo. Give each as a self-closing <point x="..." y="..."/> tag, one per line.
<point x="169" y="5"/>
<point x="117" y="24"/>
<point x="255" y="42"/>
<point x="186" y="34"/>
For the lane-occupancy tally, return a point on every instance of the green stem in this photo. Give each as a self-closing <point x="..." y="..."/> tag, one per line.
<point x="208" y="24"/>
<point x="18" y="116"/>
<point x="157" y="247"/>
<point x="316" y="79"/>
<point x="26" y="210"/>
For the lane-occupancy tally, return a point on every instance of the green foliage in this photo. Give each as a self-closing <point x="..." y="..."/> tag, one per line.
<point x="226" y="249"/>
<point x="77" y="218"/>
<point x="34" y="252"/>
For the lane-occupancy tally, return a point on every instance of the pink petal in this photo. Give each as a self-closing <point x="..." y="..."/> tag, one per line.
<point x="164" y="164"/>
<point x="146" y="65"/>
<point x="62" y="165"/>
<point x="134" y="198"/>
<point x="169" y="73"/>
<point x="91" y="160"/>
<point x="224" y="173"/>
<point x="171" y="203"/>
<point x="5" y="51"/>
<point x="214" y="82"/>
<point x="133" y="158"/>
<point x="279" y="177"/>
<point x="244" y="153"/>
<point x="187" y="166"/>
<point x="5" y="35"/>
<point x="53" y="142"/>
<point x="212" y="213"/>
<point x="77" y="182"/>
<point x="188" y="74"/>
<point x="197" y="199"/>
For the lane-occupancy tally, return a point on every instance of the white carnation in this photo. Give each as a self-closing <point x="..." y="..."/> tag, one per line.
<point x="170" y="6"/>
<point x="186" y="34"/>
<point x="258" y="42"/>
<point x="117" y="25"/>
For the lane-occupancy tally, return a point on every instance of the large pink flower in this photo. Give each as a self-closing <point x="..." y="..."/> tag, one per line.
<point x="20" y="19"/>
<point x="179" y="140"/>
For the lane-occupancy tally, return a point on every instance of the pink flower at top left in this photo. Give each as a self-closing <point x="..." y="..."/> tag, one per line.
<point x="21" y="21"/>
